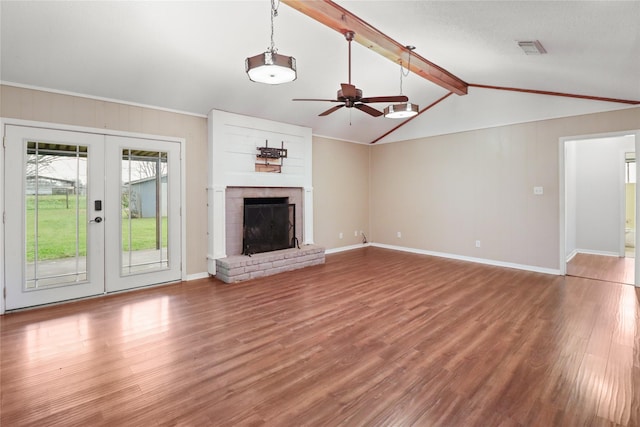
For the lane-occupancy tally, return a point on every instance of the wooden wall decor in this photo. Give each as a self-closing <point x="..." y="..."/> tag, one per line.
<point x="270" y="159"/>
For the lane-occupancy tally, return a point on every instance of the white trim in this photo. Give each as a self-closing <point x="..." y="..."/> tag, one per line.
<point x="84" y="129"/>
<point x="2" y="209"/>
<point x="346" y="248"/>
<point x="532" y="268"/>
<point x="101" y="131"/>
<point x="183" y="210"/>
<point x="601" y="253"/>
<point x="572" y="255"/>
<point x="340" y="140"/>
<point x="99" y="98"/>
<point x="562" y="194"/>
<point x="622" y="201"/>
<point x="637" y="259"/>
<point x="307" y="215"/>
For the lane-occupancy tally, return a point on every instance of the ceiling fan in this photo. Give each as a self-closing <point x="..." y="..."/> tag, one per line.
<point x="350" y="96"/>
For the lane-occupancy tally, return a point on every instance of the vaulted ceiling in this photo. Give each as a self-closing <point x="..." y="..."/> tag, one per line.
<point x="189" y="56"/>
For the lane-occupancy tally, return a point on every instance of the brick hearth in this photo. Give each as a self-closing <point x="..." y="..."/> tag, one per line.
<point x="237" y="268"/>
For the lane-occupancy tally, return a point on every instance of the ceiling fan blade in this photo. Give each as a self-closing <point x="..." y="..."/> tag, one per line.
<point x="368" y="110"/>
<point x="397" y="98"/>
<point x="316" y="99"/>
<point x="348" y="90"/>
<point x="331" y="110"/>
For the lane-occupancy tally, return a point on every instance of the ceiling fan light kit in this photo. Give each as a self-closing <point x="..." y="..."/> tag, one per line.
<point x="270" y="67"/>
<point x="401" y="111"/>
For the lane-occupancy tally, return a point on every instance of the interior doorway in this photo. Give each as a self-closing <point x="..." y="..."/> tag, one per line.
<point x="630" y="204"/>
<point x="600" y="198"/>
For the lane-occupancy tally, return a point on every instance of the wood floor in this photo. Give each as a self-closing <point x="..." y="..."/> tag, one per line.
<point x="373" y="337"/>
<point x="600" y="267"/>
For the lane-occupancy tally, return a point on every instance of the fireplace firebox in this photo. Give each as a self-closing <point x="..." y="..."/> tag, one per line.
<point x="269" y="224"/>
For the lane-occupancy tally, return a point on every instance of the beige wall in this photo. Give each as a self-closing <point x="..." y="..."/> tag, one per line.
<point x="340" y="192"/>
<point x="27" y="104"/>
<point x="443" y="193"/>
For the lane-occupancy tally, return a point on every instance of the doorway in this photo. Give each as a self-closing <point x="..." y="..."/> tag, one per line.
<point x="630" y="204"/>
<point x="597" y="180"/>
<point x="88" y="214"/>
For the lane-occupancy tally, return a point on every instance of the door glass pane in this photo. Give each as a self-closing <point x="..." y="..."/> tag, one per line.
<point x="143" y="197"/>
<point x="56" y="214"/>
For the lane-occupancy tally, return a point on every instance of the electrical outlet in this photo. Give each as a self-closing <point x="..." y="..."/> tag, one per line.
<point x="355" y="233"/>
<point x="477" y="243"/>
<point x="340" y="235"/>
<point x="538" y="191"/>
<point x="399" y="234"/>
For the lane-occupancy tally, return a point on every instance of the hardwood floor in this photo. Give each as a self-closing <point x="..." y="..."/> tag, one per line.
<point x="600" y="267"/>
<point x="373" y="337"/>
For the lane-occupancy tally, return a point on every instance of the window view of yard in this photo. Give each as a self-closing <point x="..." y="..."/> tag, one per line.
<point x="57" y="228"/>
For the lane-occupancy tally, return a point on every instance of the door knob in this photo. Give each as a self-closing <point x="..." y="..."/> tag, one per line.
<point x="97" y="219"/>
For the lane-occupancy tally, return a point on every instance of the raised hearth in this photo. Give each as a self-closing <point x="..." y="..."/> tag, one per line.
<point x="238" y="268"/>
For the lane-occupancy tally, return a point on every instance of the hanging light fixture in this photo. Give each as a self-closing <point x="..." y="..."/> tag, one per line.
<point x="270" y="67"/>
<point x="406" y="109"/>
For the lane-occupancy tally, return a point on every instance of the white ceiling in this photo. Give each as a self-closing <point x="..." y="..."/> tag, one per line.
<point x="189" y="56"/>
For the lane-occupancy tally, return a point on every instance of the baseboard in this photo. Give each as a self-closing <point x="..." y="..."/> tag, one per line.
<point x="525" y="267"/>
<point x="571" y="255"/>
<point x="592" y="252"/>
<point x="197" y="276"/>
<point x="346" y="248"/>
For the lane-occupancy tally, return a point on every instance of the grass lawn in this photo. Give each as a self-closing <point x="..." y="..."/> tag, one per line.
<point x="57" y="229"/>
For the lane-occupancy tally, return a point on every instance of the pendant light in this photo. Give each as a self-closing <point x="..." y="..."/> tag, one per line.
<point x="270" y="67"/>
<point x="406" y="109"/>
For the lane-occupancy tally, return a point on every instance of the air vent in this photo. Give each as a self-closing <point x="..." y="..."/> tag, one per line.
<point x="532" y="47"/>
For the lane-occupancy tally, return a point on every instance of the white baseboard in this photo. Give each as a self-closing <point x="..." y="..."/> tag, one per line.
<point x="571" y="255"/>
<point x="197" y="276"/>
<point x="592" y="252"/>
<point x="346" y="248"/>
<point x="525" y="267"/>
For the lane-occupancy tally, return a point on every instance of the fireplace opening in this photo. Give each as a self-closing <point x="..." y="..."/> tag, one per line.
<point x="269" y="224"/>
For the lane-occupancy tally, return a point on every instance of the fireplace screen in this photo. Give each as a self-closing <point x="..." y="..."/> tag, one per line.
<point x="269" y="225"/>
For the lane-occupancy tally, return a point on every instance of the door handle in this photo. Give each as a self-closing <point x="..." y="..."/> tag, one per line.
<point x="97" y="219"/>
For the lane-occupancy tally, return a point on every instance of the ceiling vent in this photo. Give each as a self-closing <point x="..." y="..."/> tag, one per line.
<point x="532" y="47"/>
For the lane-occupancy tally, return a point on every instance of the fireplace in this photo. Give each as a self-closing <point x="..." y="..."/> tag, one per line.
<point x="235" y="143"/>
<point x="269" y="224"/>
<point x="234" y="212"/>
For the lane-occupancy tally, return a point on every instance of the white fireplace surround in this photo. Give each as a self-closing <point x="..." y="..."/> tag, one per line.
<point x="233" y="142"/>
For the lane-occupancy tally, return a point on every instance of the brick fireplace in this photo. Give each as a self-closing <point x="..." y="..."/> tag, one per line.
<point x="235" y="143"/>
<point x="234" y="211"/>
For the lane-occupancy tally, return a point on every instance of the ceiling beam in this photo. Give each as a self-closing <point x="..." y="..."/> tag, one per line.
<point x="341" y="20"/>
<point x="433" y="104"/>
<point x="562" y="94"/>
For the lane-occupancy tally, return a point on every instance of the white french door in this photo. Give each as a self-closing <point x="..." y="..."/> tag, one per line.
<point x="144" y="212"/>
<point x="88" y="214"/>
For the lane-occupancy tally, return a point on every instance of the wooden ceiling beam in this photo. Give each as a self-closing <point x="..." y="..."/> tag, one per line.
<point x="562" y="94"/>
<point x="433" y="104"/>
<point x="341" y="20"/>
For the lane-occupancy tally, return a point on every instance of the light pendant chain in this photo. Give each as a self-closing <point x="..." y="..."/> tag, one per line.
<point x="274" y="13"/>
<point x="402" y="73"/>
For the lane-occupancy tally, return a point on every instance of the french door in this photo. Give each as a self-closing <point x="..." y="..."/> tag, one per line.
<point x="88" y="214"/>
